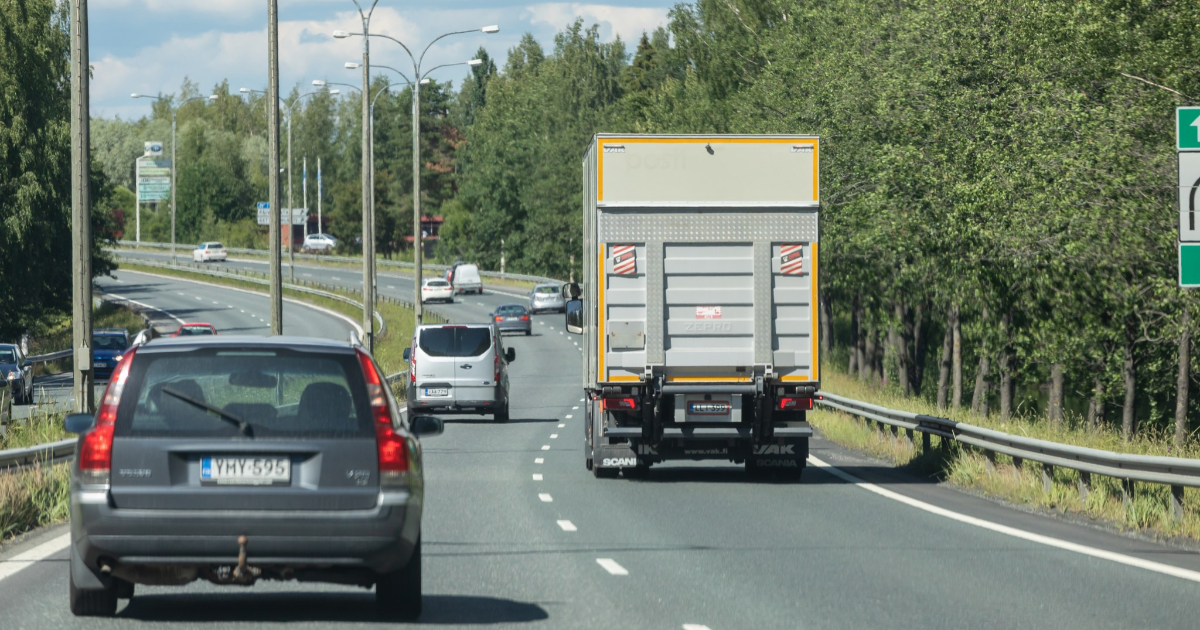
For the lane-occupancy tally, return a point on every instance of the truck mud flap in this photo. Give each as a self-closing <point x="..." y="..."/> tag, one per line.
<point x="615" y="456"/>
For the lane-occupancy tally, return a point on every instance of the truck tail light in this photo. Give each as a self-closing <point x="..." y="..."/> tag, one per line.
<point x="95" y="449"/>
<point x="392" y="448"/>
<point x="618" y="404"/>
<point x="793" y="404"/>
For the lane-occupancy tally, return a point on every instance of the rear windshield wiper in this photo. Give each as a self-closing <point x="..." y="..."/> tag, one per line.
<point x="242" y="425"/>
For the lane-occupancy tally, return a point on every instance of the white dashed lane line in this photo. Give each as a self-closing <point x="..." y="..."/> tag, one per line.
<point x="545" y="447"/>
<point x="545" y="498"/>
<point x="537" y="476"/>
<point x="561" y="426"/>
<point x="611" y="566"/>
<point x="569" y="416"/>
<point x="575" y="408"/>
<point x="553" y="436"/>
<point x="695" y="626"/>
<point x="568" y="526"/>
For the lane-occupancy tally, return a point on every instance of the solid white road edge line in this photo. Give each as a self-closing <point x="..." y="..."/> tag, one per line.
<point x="568" y="526"/>
<point x="332" y="313"/>
<point x="143" y="305"/>
<point x="37" y="554"/>
<point x="1057" y="543"/>
<point x="611" y="566"/>
<point x="545" y="498"/>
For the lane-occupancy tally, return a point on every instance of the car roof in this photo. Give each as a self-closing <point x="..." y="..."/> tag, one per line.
<point x="196" y="324"/>
<point x="510" y="305"/>
<point x="110" y="331"/>
<point x="487" y="325"/>
<point x="248" y="341"/>
<point x="9" y="346"/>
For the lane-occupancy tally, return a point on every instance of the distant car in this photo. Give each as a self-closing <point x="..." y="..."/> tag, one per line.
<point x="195" y="329"/>
<point x="209" y="252"/>
<point x="108" y="346"/>
<point x="465" y="278"/>
<point x="17" y="372"/>
<point x="322" y="243"/>
<point x="546" y="297"/>
<point x="244" y="458"/>
<point x="512" y="318"/>
<point x="458" y="368"/>
<point x="436" y="289"/>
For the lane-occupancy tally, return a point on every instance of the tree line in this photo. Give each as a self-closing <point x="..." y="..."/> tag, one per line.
<point x="997" y="177"/>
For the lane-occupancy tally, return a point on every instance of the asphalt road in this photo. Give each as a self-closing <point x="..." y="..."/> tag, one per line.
<point x="517" y="534"/>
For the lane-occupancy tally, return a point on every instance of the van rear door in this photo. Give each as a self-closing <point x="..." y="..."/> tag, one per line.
<point x="475" y="373"/>
<point x="436" y="366"/>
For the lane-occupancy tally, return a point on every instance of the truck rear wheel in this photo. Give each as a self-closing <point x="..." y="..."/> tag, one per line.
<point x="605" y="473"/>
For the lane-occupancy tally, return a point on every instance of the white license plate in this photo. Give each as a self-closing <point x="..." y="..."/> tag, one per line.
<point x="510" y="319"/>
<point x="437" y="391"/>
<point x="245" y="471"/>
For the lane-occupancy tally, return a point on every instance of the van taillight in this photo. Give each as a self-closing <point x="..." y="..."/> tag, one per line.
<point x="496" y="362"/>
<point x="392" y="448"/>
<point x="95" y="449"/>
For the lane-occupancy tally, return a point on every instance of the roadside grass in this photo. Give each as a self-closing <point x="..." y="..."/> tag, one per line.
<point x="42" y="426"/>
<point x="1140" y="507"/>
<point x="33" y="498"/>
<point x="56" y="336"/>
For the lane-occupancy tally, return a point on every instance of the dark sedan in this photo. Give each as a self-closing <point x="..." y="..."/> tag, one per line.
<point x="512" y="318"/>
<point x="17" y="374"/>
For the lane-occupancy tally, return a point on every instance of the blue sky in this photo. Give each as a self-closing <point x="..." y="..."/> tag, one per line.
<point x="149" y="46"/>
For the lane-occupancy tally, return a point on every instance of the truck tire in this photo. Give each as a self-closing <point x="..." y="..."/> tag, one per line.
<point x="641" y="471"/>
<point x="790" y="475"/>
<point x="605" y="473"/>
<point x="398" y="594"/>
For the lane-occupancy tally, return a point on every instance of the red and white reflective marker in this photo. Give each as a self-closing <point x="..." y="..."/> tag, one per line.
<point x="624" y="260"/>
<point x="791" y="260"/>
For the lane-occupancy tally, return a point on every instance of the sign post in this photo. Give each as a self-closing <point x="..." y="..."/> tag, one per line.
<point x="153" y="180"/>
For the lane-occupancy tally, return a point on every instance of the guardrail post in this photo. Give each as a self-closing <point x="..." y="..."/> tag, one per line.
<point x="925" y="442"/>
<point x="991" y="460"/>
<point x="1047" y="478"/>
<point x="1126" y="492"/>
<point x="1085" y="485"/>
<point x="1176" y="503"/>
<point x="908" y="433"/>
<point x="1017" y="464"/>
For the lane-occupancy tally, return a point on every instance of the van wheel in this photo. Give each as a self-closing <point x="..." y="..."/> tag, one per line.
<point x="398" y="594"/>
<point x="502" y="415"/>
<point x="102" y="603"/>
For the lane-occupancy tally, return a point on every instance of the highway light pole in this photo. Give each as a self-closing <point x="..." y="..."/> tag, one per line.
<point x="81" y="216"/>
<point x="416" y="125"/>
<point x="174" y="163"/>
<point x="273" y="165"/>
<point x="288" y="219"/>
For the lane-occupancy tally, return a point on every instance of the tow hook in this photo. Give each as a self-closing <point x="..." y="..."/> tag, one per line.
<point x="243" y="572"/>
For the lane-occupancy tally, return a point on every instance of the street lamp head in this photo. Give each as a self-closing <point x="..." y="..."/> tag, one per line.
<point x="341" y="34"/>
<point x="213" y="97"/>
<point x="350" y="65"/>
<point x="335" y="91"/>
<point x="491" y="29"/>
<point x="244" y="90"/>
<point x="136" y="95"/>
<point x="318" y="83"/>
<point x="425" y="81"/>
<point x="475" y="62"/>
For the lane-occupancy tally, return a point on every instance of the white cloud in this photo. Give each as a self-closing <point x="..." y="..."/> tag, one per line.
<point x="627" y="22"/>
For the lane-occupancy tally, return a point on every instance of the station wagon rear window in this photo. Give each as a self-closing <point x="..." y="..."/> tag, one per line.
<point x="455" y="341"/>
<point x="279" y="393"/>
<point x="546" y="290"/>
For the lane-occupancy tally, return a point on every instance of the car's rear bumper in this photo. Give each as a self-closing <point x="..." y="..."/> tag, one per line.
<point x="378" y="539"/>
<point x="514" y="326"/>
<point x="453" y="405"/>
<point x="468" y="287"/>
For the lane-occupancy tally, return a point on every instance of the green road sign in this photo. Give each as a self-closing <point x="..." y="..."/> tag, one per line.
<point x="1187" y="128"/>
<point x="1189" y="265"/>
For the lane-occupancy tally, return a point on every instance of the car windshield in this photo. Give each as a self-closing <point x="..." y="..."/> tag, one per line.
<point x="284" y="393"/>
<point x="546" y="290"/>
<point x="195" y="330"/>
<point x="8" y="356"/>
<point x="455" y="341"/>
<point x="108" y="342"/>
<point x="511" y="309"/>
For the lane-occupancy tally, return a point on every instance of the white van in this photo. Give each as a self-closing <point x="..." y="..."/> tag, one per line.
<point x="458" y="368"/>
<point x="466" y="279"/>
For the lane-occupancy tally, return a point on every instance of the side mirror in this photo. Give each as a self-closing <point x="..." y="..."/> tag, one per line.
<point x="571" y="291"/>
<point x="407" y="355"/>
<point x="575" y="317"/>
<point x="78" y="422"/>
<point x="510" y="355"/>
<point x="426" y="426"/>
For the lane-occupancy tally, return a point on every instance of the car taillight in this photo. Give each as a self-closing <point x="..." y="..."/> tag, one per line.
<point x="499" y="318"/>
<point x="524" y="318"/>
<point x="95" y="449"/>
<point x="392" y="449"/>
<point x="788" y="404"/>
<point x="618" y="404"/>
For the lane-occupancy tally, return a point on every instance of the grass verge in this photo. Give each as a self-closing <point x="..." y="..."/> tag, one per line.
<point x="33" y="498"/>
<point x="1141" y="507"/>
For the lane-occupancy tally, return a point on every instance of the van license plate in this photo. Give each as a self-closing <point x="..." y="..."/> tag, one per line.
<point x="437" y="392"/>
<point x="245" y="471"/>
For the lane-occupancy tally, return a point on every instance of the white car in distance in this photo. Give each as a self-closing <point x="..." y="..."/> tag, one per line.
<point x="208" y="252"/>
<point x="436" y="289"/>
<point x="322" y="243"/>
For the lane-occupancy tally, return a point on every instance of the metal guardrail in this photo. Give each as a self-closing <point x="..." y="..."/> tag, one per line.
<point x="52" y="356"/>
<point x="187" y="247"/>
<point x="52" y="452"/>
<point x="1176" y="472"/>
